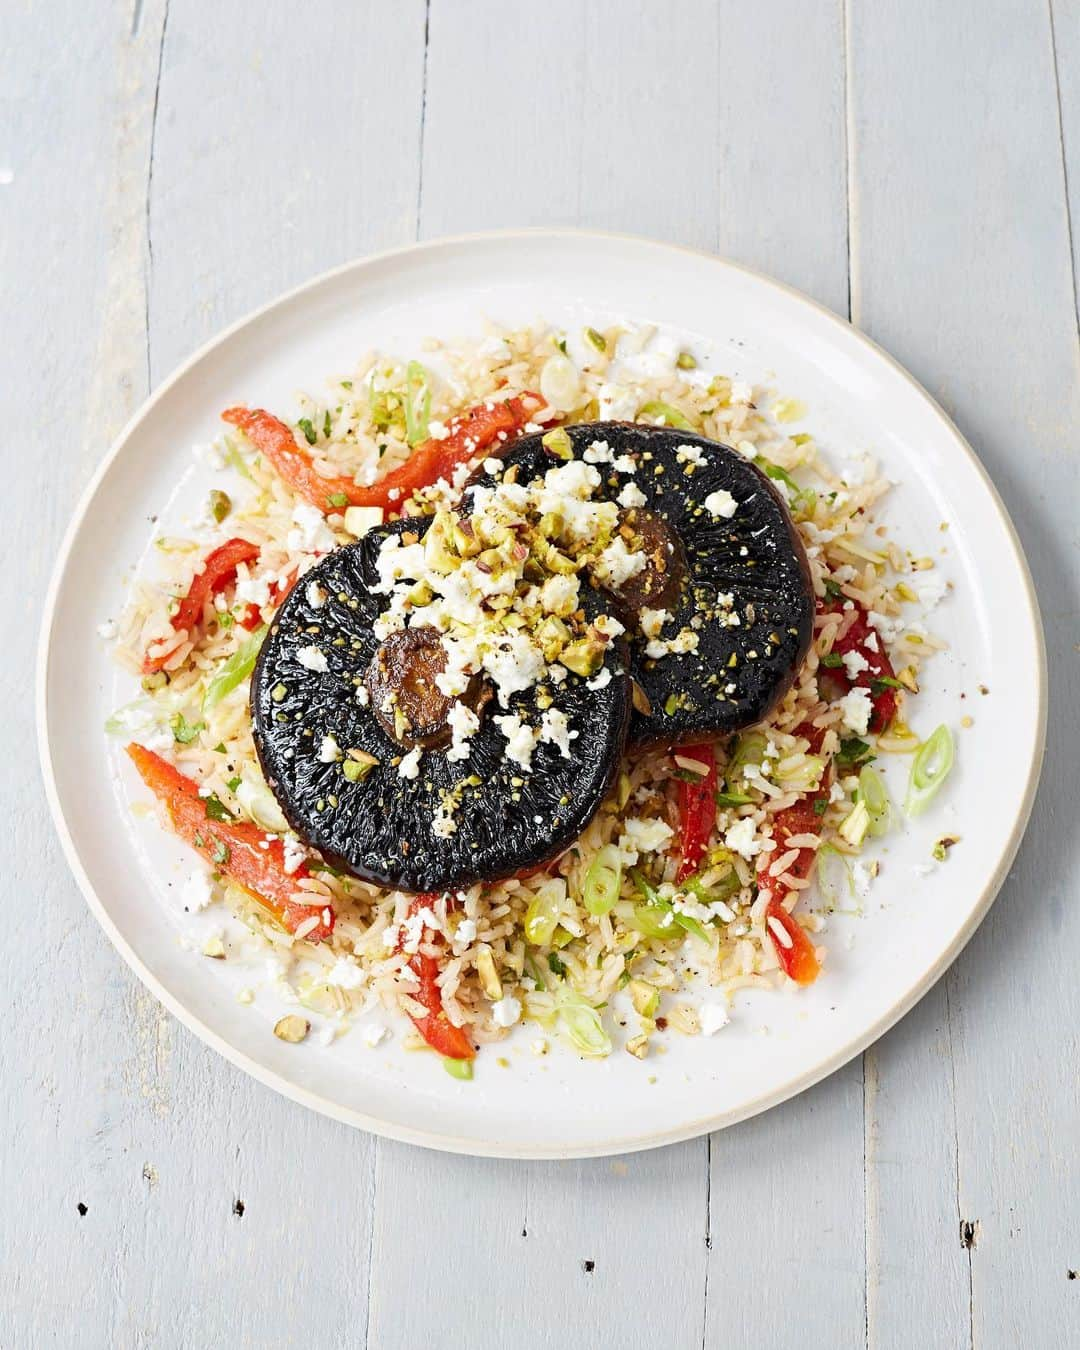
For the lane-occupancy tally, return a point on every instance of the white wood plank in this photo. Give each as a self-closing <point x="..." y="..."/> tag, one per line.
<point x="517" y="1240"/>
<point x="961" y="267"/>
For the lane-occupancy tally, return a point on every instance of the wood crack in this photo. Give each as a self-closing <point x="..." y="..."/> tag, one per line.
<point x="1064" y="167"/>
<point x="423" y="118"/>
<point x="149" y="190"/>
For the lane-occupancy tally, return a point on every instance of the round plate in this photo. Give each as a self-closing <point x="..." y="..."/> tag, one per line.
<point x="915" y="919"/>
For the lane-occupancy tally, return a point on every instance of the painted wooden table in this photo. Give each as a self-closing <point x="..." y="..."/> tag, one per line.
<point x="165" y="166"/>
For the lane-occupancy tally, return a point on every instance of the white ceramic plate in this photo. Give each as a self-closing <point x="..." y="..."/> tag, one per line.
<point x="778" y="1044"/>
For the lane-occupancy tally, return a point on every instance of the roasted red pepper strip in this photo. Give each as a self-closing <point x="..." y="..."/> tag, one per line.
<point x="249" y="617"/>
<point x="470" y="435"/>
<point x="878" y="667"/>
<point x="436" y="1028"/>
<point x="218" y="569"/>
<point x="799" y="959"/>
<point x="234" y="847"/>
<point x="697" y="809"/>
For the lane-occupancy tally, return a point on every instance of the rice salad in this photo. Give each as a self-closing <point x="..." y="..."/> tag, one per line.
<point x="611" y="944"/>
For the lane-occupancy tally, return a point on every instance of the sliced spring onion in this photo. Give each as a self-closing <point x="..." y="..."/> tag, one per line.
<point x="874" y="793"/>
<point x="596" y="339"/>
<point x="929" y="769"/>
<point x="542" y="916"/>
<point x="258" y="802"/>
<point x="721" y="889"/>
<point x="235" y="670"/>
<point x="672" y="416"/>
<point x="855" y="824"/>
<point x="603" y="880"/>
<point x="658" y="917"/>
<point x="458" y="1068"/>
<point x="749" y="749"/>
<point x="733" y="799"/>
<point x="898" y="739"/>
<point x="235" y="460"/>
<point x="803" y="499"/>
<point x="417" y="403"/>
<point x="802" y="772"/>
<point x="560" y="383"/>
<point x="582" y="1024"/>
<point x="834" y="877"/>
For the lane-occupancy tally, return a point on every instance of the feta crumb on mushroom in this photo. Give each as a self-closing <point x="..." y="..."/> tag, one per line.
<point x="721" y="504"/>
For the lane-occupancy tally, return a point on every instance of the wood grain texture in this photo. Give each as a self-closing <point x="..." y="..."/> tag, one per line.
<point x="971" y="286"/>
<point x="167" y="175"/>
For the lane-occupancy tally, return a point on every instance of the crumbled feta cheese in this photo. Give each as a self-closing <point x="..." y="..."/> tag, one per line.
<point x="410" y="764"/>
<point x="107" y="630"/>
<point x="600" y="681"/>
<point x="520" y="738"/>
<point x="346" y="973"/>
<point x="647" y="836"/>
<point x="506" y="1011"/>
<point x="713" y="1016"/>
<point x="198" y="891"/>
<point x="616" y="564"/>
<point x="740" y="838"/>
<point x="631" y="496"/>
<point x="311" y="534"/>
<point x="253" y="591"/>
<point x="294" y="853"/>
<point x="329" y="750"/>
<point x="374" y="1033"/>
<point x="515" y="664"/>
<point x="315" y="595"/>
<point x="931" y="588"/>
<point x="652" y="621"/>
<point x="690" y="454"/>
<point x="438" y="431"/>
<point x="555" y="730"/>
<point x="559" y="595"/>
<point x="463" y="724"/>
<point x="721" y="504"/>
<point x="598" y="453"/>
<point x="311" y="658"/>
<point x="741" y="392"/>
<point x="616" y="403"/>
<point x="464" y="934"/>
<point x="856" y="707"/>
<point x="854" y="663"/>
<point x="890" y="628"/>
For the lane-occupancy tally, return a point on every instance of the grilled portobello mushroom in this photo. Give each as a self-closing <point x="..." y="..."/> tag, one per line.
<point x="338" y="714"/>
<point x="724" y="564"/>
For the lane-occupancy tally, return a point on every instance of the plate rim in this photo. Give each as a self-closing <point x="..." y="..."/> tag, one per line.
<point x="492" y="1148"/>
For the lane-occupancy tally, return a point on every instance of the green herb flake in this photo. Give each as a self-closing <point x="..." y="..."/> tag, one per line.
<point x="733" y="798"/>
<point x="556" y="964"/>
<point x="820" y="806"/>
<point x="219" y="749"/>
<point x="184" y="732"/>
<point x="233" y="784"/>
<point x="307" y="427"/>
<point x="326" y="425"/>
<point x="216" y="809"/>
<point x="832" y="660"/>
<point x="854" y="751"/>
<point x="338" y="499"/>
<point x="883" y="682"/>
<point x="832" y="589"/>
<point x="596" y="339"/>
<point x="221" y="852"/>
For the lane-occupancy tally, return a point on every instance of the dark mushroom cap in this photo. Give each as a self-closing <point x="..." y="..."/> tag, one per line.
<point x="739" y="672"/>
<point x="380" y="828"/>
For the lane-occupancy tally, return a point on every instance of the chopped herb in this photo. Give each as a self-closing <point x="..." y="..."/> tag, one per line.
<point x="733" y="799"/>
<point x="832" y="660"/>
<point x="226" y="620"/>
<point x="878" y="686"/>
<point x="820" y="806"/>
<point x="199" y="840"/>
<point x="345" y="384"/>
<point x="221" y="852"/>
<point x="561" y="344"/>
<point x="184" y="732"/>
<point x="306" y="426"/>
<point x="596" y="339"/>
<point x="556" y="964"/>
<point x="219" y="749"/>
<point x="215" y="809"/>
<point x="832" y="589"/>
<point x="326" y="425"/>
<point x="854" y="751"/>
<point x="338" y="499"/>
<point x="233" y="784"/>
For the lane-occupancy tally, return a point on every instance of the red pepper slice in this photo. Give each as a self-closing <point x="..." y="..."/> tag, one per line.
<point x="249" y="617"/>
<point x="435" y="1027"/>
<point x="799" y="960"/>
<point x="697" y="809"/>
<point x="878" y="667"/>
<point x="234" y="847"/>
<point x="479" y="429"/>
<point x="218" y="569"/>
